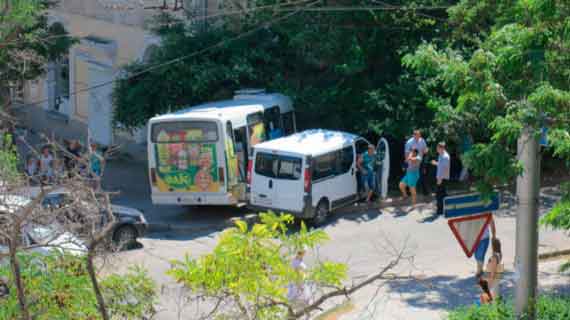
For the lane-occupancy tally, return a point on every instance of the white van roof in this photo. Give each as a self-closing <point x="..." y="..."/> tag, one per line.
<point x="310" y="142"/>
<point x="232" y="109"/>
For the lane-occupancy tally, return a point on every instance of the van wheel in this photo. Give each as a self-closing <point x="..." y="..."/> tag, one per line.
<point x="321" y="214"/>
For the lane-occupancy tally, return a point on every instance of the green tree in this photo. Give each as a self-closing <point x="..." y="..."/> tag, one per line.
<point x="516" y="77"/>
<point x="60" y="288"/>
<point x="342" y="69"/>
<point x="26" y="42"/>
<point x="248" y="273"/>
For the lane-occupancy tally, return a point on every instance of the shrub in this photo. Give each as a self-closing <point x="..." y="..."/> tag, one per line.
<point x="548" y="308"/>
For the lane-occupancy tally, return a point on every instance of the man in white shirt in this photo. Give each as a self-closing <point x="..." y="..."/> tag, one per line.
<point x="443" y="164"/>
<point x="417" y="142"/>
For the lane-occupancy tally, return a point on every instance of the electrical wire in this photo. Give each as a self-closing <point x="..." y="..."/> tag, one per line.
<point x="218" y="14"/>
<point x="278" y="7"/>
<point x="181" y="58"/>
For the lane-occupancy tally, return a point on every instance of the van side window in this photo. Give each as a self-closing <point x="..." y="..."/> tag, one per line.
<point x="289" y="123"/>
<point x="324" y="166"/>
<point x="345" y="160"/>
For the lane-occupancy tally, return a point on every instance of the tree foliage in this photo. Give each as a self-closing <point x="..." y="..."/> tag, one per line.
<point x="514" y="76"/>
<point x="548" y="308"/>
<point x="60" y="288"/>
<point x="251" y="267"/>
<point x="27" y="42"/>
<point x="342" y="69"/>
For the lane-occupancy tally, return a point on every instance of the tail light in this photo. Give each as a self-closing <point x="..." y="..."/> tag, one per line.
<point x="221" y="175"/>
<point x="249" y="170"/>
<point x="153" y="176"/>
<point x="307" y="180"/>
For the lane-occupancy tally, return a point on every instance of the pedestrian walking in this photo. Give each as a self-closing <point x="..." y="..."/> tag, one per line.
<point x="481" y="251"/>
<point x="412" y="175"/>
<point x="486" y="297"/>
<point x="297" y="291"/>
<point x="442" y="175"/>
<point x="495" y="267"/>
<point x="366" y="168"/>
<point x="418" y="142"/>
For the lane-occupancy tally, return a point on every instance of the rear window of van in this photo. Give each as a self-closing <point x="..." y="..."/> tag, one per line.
<point x="279" y="167"/>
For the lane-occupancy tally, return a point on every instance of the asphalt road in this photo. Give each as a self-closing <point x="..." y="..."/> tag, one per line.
<point x="364" y="239"/>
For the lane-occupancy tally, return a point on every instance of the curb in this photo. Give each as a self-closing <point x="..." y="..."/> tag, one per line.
<point x="190" y="227"/>
<point x="553" y="254"/>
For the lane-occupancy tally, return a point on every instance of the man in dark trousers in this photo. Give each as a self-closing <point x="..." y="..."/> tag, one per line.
<point x="442" y="175"/>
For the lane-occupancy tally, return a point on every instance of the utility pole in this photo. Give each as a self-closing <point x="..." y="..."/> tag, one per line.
<point x="526" y="261"/>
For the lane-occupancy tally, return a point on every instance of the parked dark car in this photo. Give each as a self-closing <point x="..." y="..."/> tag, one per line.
<point x="131" y="223"/>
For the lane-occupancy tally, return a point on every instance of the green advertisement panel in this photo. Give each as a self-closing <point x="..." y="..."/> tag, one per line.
<point x="187" y="167"/>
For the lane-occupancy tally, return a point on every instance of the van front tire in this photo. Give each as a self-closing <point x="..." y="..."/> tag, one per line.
<point x="321" y="214"/>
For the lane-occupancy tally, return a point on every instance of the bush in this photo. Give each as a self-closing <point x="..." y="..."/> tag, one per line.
<point x="548" y="308"/>
<point x="58" y="287"/>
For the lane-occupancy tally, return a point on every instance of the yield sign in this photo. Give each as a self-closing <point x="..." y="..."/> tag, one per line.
<point x="469" y="230"/>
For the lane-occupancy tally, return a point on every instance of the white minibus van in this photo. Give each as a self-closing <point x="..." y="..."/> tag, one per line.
<point x="199" y="155"/>
<point x="311" y="173"/>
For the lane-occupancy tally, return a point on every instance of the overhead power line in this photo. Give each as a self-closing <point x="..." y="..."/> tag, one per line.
<point x="181" y="58"/>
<point x="217" y="14"/>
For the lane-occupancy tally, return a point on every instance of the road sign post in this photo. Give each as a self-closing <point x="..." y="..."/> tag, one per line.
<point x="469" y="216"/>
<point x="469" y="204"/>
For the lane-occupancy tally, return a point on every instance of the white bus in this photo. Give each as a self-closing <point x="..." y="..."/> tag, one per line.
<point x="199" y="155"/>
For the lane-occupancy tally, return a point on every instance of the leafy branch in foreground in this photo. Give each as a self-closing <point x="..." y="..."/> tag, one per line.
<point x="249" y="272"/>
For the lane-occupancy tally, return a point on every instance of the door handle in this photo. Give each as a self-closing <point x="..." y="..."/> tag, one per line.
<point x="261" y="195"/>
<point x="270" y="184"/>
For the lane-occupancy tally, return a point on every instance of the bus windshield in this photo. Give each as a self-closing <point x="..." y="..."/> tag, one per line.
<point x="184" y="131"/>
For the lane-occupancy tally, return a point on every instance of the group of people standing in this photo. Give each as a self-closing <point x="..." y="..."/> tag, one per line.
<point x="50" y="166"/>
<point x="416" y="166"/>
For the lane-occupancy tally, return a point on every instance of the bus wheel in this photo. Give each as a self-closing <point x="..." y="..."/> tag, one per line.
<point x="321" y="214"/>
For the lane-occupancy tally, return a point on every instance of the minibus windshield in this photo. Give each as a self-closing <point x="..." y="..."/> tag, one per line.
<point x="184" y="131"/>
<point x="275" y="166"/>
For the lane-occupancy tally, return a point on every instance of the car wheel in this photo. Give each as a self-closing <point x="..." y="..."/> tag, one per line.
<point x="321" y="214"/>
<point x="125" y="236"/>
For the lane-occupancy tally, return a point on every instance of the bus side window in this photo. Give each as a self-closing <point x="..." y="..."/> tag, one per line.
<point x="273" y="122"/>
<point x="241" y="151"/>
<point x="288" y="123"/>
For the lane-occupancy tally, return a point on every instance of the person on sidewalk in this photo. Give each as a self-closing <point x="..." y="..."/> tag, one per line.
<point x="95" y="166"/>
<point x="297" y="290"/>
<point x="74" y="153"/>
<point x="466" y="146"/>
<point x="366" y="167"/>
<point x="494" y="267"/>
<point x="417" y="142"/>
<point x="481" y="251"/>
<point x="412" y="175"/>
<point x="486" y="297"/>
<point x="46" y="165"/>
<point x="442" y="175"/>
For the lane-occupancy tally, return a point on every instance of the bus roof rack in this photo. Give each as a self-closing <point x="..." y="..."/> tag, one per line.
<point x="248" y="92"/>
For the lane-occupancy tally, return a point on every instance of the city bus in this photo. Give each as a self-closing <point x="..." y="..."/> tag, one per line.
<point x="199" y="155"/>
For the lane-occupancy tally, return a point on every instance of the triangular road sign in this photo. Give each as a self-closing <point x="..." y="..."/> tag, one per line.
<point x="469" y="230"/>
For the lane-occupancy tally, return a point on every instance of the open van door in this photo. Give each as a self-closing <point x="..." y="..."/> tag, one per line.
<point x="382" y="167"/>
